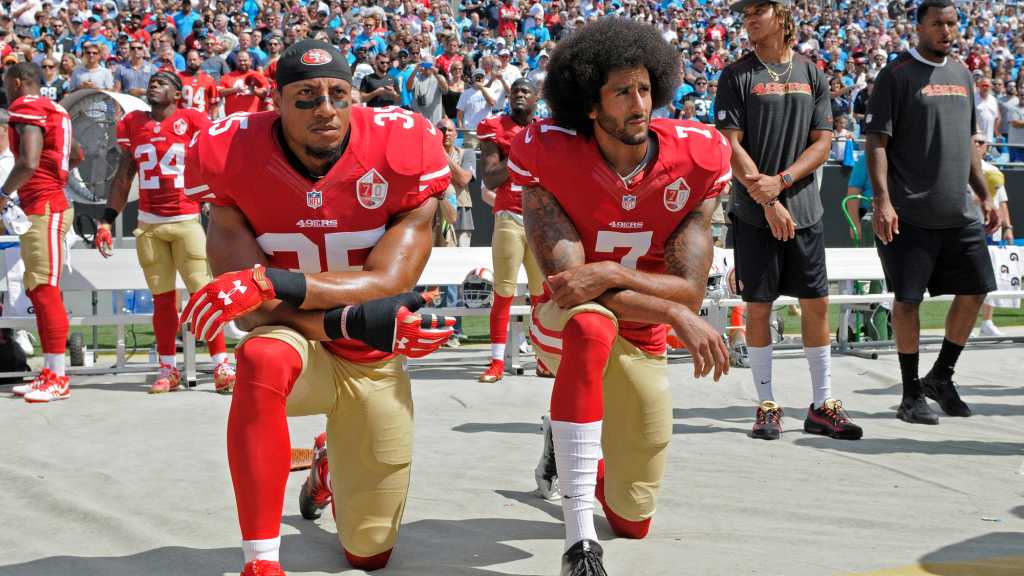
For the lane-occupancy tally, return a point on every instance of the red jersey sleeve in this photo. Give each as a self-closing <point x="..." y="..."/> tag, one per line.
<point x="200" y="120"/>
<point x="717" y="161"/>
<point x="487" y="129"/>
<point x="207" y="170"/>
<point x="522" y="165"/>
<point x="124" y="132"/>
<point x="29" y="110"/>
<point x="430" y="166"/>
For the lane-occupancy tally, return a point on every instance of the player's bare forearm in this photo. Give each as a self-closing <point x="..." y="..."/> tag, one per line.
<point x="813" y="156"/>
<point x="632" y="306"/>
<point x="392" y="267"/>
<point x="878" y="165"/>
<point x="550" y="233"/>
<point x="30" y="148"/>
<point x="741" y="162"/>
<point x="495" y="167"/>
<point x="122" y="183"/>
<point x="77" y="154"/>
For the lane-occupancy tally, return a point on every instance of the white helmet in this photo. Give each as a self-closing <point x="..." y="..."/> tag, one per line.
<point x="478" y="288"/>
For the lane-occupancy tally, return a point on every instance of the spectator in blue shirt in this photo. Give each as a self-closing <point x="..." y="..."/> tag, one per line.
<point x="401" y="72"/>
<point x="185" y="19"/>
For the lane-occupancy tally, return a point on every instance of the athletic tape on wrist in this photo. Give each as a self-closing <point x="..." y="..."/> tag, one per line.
<point x="289" y="286"/>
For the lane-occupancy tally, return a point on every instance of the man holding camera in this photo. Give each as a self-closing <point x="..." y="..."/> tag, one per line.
<point x="426" y="87"/>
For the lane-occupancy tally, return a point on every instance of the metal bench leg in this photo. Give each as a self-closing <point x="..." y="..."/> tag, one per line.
<point x="189" y="345"/>
<point x="119" y="309"/>
<point x="512" y="363"/>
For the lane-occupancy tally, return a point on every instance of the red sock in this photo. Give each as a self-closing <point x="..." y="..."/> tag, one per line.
<point x="165" y="322"/>
<point x="217" y="345"/>
<point x="369" y="563"/>
<point x="577" y="394"/>
<point x="259" y="448"/>
<point x="51" y="318"/>
<point x="500" y="311"/>
<point x="622" y="527"/>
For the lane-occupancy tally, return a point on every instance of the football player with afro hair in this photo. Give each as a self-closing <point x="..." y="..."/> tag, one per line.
<point x="617" y="209"/>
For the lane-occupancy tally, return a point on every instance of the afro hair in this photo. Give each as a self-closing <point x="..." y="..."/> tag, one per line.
<point x="581" y="63"/>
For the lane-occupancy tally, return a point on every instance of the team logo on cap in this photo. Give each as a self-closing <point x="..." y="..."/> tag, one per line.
<point x="676" y="195"/>
<point x="316" y="57"/>
<point x="180" y="126"/>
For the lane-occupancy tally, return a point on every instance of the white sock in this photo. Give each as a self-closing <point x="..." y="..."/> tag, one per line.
<point x="55" y="362"/>
<point x="761" y="369"/>
<point x="498" y="352"/>
<point x="577" y="452"/>
<point x="218" y="358"/>
<point x="169" y="360"/>
<point x="261" y="549"/>
<point x="819" y="361"/>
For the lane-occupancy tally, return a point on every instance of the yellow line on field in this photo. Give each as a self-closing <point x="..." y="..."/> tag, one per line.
<point x="1003" y="566"/>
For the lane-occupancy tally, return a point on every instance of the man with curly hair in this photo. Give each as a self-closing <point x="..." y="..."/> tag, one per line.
<point x="773" y="105"/>
<point x="617" y="209"/>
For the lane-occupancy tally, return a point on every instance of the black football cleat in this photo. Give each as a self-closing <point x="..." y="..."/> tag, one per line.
<point x="944" y="392"/>
<point x="583" y="559"/>
<point x="916" y="410"/>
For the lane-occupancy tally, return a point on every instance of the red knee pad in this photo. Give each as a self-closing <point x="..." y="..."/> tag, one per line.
<point x="622" y="527"/>
<point x="370" y="563"/>
<point x="500" y="311"/>
<point x="577" y="394"/>
<point x="165" y="322"/>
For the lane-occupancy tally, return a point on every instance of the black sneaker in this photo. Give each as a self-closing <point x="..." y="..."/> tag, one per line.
<point x="768" y="421"/>
<point x="831" y="420"/>
<point x="915" y="410"/>
<point x="944" y="392"/>
<point x="583" y="559"/>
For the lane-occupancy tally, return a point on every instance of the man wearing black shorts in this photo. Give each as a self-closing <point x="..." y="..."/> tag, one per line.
<point x="920" y="121"/>
<point x="773" y="106"/>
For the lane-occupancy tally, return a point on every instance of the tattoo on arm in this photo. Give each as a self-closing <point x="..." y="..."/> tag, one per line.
<point x="550" y="233"/>
<point x="689" y="251"/>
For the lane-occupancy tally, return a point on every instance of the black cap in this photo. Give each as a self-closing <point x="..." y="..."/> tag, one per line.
<point x="311" y="59"/>
<point x="743" y="4"/>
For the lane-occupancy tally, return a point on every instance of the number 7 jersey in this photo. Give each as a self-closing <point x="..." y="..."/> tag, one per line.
<point x="393" y="163"/>
<point x="158" y="149"/>
<point x="629" y="224"/>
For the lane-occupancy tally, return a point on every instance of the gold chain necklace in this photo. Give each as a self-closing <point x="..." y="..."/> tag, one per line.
<point x="776" y="76"/>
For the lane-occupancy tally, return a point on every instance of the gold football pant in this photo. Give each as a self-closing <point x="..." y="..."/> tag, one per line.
<point x="509" y="251"/>
<point x="637" y="422"/>
<point x="42" y="247"/>
<point x="171" y="248"/>
<point x="369" y="436"/>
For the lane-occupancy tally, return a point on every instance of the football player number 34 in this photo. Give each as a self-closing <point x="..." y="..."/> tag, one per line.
<point x="638" y="244"/>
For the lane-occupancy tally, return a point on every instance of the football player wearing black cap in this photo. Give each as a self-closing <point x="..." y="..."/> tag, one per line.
<point x="317" y="244"/>
<point x="773" y="106"/>
<point x="169" y="238"/>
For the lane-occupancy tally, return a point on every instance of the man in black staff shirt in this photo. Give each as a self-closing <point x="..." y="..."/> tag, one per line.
<point x="380" y="89"/>
<point x="773" y="106"/>
<point x="920" y="122"/>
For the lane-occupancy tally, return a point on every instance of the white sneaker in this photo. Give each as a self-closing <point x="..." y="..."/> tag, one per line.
<point x="24" y="339"/>
<point x="54" y="388"/>
<point x="38" y="381"/>
<point x="989" y="328"/>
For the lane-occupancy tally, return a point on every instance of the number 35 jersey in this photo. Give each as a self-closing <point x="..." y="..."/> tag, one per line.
<point x="158" y="149"/>
<point x="393" y="163"/>
<point x="625" y="223"/>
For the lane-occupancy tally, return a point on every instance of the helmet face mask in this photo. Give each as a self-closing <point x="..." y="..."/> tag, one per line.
<point x="478" y="288"/>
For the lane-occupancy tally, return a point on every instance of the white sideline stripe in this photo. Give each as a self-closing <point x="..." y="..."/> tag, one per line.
<point x="549" y="341"/>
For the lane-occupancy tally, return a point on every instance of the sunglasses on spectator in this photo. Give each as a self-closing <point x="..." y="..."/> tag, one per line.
<point x="49" y="65"/>
<point x="443" y="129"/>
<point x="91" y="52"/>
<point x="980" y="143"/>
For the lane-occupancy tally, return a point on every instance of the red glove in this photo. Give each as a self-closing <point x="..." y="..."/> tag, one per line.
<point x="417" y="335"/>
<point x="225" y="298"/>
<point x="104" y="241"/>
<point x="391" y="325"/>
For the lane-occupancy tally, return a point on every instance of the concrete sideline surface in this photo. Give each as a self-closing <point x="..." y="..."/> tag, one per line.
<point x="114" y="482"/>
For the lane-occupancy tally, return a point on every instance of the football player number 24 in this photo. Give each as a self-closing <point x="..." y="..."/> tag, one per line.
<point x="153" y="167"/>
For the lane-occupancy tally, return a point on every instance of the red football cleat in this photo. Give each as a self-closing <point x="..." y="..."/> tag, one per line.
<point x="316" y="493"/>
<point x="494" y="372"/>
<point x="263" y="568"/>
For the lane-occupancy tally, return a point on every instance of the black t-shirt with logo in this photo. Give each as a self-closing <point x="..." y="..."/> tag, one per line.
<point x="776" y="118"/>
<point x="927" y="110"/>
<point x="373" y="81"/>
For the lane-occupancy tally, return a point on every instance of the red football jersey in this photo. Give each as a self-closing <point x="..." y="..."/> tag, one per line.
<point x="198" y="91"/>
<point x="502" y="130"/>
<point x="159" y="152"/>
<point x="47" y="183"/>
<point x="394" y="162"/>
<point x="244" y="100"/>
<point x="628" y="224"/>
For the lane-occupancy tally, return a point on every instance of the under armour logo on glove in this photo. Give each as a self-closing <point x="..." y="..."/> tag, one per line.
<point x="391" y="325"/>
<point x="225" y="298"/>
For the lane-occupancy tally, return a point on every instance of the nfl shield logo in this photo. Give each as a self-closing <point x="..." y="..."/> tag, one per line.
<point x="628" y="201"/>
<point x="180" y="126"/>
<point x="314" y="198"/>
<point x="676" y="195"/>
<point x="371" y="190"/>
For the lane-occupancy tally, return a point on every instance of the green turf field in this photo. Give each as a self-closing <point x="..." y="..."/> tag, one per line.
<point x="933" y="315"/>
